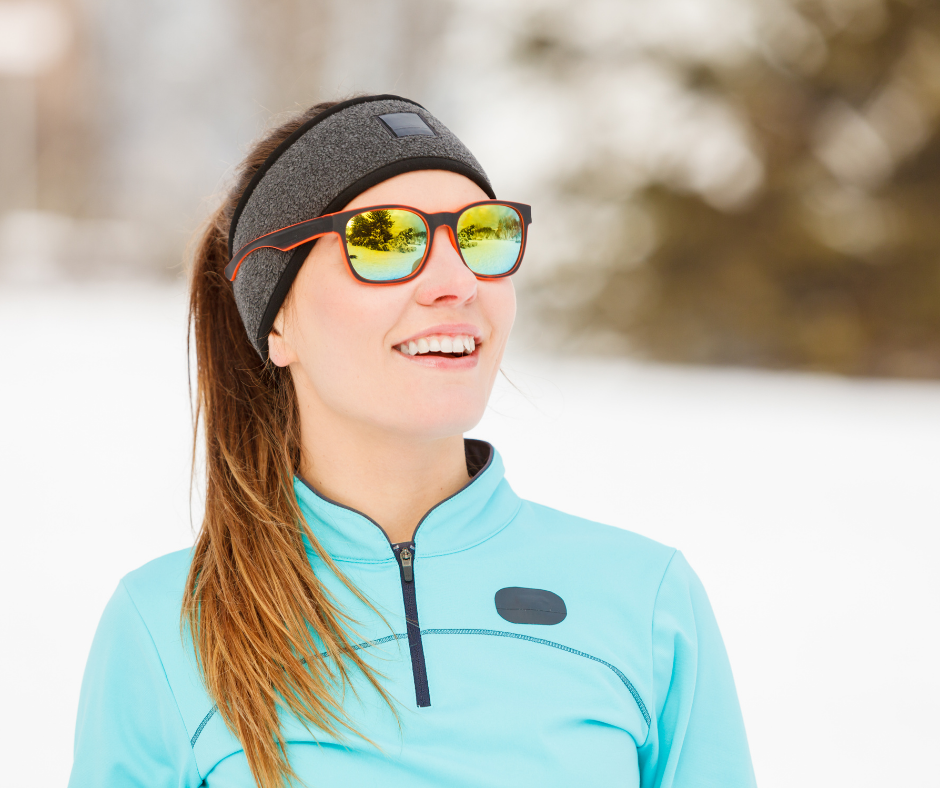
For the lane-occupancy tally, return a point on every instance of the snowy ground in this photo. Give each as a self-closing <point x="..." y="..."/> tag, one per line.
<point x="809" y="506"/>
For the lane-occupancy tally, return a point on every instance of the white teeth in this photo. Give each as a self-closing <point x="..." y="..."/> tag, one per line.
<point x="439" y="344"/>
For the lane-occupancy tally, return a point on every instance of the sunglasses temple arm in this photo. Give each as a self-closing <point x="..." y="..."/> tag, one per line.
<point x="283" y="240"/>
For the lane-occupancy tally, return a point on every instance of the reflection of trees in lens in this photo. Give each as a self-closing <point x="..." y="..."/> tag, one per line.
<point x="507" y="228"/>
<point x="372" y="230"/>
<point x="465" y="236"/>
<point x="403" y="242"/>
<point x="376" y="230"/>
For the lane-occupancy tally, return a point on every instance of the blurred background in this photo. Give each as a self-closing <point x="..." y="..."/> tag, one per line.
<point x="729" y="311"/>
<point x="754" y="179"/>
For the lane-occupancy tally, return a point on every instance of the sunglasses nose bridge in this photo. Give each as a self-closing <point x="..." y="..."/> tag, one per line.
<point x="446" y="222"/>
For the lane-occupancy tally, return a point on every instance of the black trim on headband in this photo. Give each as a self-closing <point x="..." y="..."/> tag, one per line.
<point x="287" y="143"/>
<point x="281" y="289"/>
<point x="413" y="164"/>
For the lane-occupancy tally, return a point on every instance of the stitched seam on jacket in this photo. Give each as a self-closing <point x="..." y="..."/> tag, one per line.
<point x="376" y="642"/>
<point x="652" y="627"/>
<point x="501" y="633"/>
<point x="357" y="647"/>
<point x="166" y="678"/>
<point x="353" y="560"/>
<point x="541" y="641"/>
<point x="497" y="633"/>
<point x="205" y="720"/>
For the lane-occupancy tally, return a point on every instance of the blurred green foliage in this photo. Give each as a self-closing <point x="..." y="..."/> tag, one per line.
<point x="833" y="263"/>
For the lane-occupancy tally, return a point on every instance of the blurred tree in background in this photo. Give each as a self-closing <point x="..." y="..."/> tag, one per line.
<point x="826" y="255"/>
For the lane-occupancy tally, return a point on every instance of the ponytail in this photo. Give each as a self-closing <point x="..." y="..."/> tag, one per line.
<point x="257" y="613"/>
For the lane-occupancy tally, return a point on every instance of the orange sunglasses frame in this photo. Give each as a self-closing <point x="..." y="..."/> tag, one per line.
<point x="294" y="235"/>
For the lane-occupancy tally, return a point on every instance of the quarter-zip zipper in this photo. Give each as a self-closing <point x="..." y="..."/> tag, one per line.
<point x="406" y="569"/>
<point x="404" y="554"/>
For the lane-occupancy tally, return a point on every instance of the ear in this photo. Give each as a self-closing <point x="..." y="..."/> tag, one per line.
<point x="279" y="349"/>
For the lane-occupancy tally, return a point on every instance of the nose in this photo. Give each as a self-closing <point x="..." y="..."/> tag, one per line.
<point x="445" y="280"/>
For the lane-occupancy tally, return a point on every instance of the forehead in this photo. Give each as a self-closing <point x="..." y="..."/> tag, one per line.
<point x="429" y="190"/>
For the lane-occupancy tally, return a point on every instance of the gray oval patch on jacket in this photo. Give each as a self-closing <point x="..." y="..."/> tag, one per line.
<point x="530" y="606"/>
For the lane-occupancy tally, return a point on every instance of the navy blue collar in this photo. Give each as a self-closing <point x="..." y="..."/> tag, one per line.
<point x="472" y="515"/>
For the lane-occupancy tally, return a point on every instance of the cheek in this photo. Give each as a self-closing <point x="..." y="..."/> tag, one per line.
<point x="335" y="313"/>
<point x="498" y="299"/>
<point x="344" y="326"/>
<point x="508" y="305"/>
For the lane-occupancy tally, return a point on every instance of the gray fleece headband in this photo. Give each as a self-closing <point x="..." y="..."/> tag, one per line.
<point x="319" y="169"/>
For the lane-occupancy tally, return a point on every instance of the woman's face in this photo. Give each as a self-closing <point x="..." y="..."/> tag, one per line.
<point x="341" y="337"/>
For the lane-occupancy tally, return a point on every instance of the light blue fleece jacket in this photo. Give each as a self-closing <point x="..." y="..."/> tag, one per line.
<point x="632" y="687"/>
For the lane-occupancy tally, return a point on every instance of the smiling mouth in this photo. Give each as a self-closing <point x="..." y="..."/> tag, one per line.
<point x="442" y="346"/>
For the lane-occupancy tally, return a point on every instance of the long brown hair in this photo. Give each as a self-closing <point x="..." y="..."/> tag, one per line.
<point x="252" y="603"/>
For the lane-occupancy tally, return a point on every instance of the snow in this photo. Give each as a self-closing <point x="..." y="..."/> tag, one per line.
<point x="807" y="504"/>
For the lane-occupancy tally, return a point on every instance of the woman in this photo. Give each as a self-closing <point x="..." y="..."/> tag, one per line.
<point x="368" y="602"/>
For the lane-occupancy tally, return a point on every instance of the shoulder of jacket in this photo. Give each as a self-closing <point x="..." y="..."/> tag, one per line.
<point x="156" y="588"/>
<point x="553" y="520"/>
<point x="554" y="526"/>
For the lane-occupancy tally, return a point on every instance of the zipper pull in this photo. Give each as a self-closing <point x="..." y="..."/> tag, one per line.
<point x="405" y="557"/>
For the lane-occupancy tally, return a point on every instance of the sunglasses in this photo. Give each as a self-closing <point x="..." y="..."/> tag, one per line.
<point x="387" y="244"/>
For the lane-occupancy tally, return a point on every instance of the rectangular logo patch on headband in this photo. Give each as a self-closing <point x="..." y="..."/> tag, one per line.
<point x="406" y="124"/>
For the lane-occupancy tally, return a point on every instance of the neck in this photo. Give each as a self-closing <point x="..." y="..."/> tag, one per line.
<point x="391" y="478"/>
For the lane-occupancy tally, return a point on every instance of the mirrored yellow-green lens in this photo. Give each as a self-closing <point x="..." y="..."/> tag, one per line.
<point x="386" y="244"/>
<point x="490" y="238"/>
